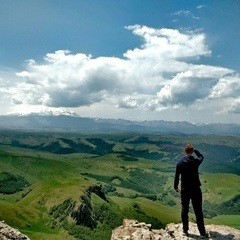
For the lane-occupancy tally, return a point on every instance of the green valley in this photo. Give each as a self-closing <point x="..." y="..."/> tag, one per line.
<point x="58" y="185"/>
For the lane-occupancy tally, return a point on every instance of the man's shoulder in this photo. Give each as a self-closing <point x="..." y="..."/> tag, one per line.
<point x="180" y="160"/>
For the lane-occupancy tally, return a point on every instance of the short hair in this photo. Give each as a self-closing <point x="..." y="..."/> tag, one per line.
<point x="189" y="148"/>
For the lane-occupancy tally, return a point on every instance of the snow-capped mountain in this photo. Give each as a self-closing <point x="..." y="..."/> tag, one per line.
<point x="50" y="119"/>
<point x="43" y="111"/>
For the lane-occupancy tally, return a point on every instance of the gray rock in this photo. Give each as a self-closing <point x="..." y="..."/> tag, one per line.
<point x="134" y="230"/>
<point x="7" y="233"/>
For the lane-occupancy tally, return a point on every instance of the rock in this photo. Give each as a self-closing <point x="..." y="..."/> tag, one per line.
<point x="7" y="233"/>
<point x="134" y="230"/>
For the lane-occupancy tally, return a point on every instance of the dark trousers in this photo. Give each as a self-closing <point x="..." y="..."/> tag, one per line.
<point x="196" y="196"/>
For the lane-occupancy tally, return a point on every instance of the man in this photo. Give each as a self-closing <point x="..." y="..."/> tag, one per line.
<point x="187" y="167"/>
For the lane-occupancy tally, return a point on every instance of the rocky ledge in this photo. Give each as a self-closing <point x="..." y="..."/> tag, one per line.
<point x="7" y="233"/>
<point x="134" y="230"/>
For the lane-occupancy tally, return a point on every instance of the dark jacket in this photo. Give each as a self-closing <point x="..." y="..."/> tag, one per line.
<point x="187" y="167"/>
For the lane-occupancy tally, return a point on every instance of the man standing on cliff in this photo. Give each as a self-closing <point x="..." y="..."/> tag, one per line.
<point x="187" y="167"/>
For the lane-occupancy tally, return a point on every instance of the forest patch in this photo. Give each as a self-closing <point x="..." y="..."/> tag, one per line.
<point x="10" y="183"/>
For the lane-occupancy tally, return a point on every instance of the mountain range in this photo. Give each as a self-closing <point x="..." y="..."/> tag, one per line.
<point x="70" y="121"/>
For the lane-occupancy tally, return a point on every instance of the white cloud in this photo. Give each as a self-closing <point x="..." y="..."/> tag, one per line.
<point x="167" y="44"/>
<point x="186" y="14"/>
<point x="184" y="89"/>
<point x="164" y="73"/>
<point x="201" y="6"/>
<point x="230" y="106"/>
<point x="128" y="102"/>
<point x="17" y="100"/>
<point x="233" y="107"/>
<point x="228" y="86"/>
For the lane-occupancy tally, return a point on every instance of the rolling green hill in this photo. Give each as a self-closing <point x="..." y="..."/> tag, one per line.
<point x="69" y="186"/>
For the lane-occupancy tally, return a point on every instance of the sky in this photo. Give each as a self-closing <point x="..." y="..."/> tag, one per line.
<point x="138" y="60"/>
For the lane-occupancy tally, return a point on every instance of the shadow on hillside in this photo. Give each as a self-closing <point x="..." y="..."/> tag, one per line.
<point x="213" y="235"/>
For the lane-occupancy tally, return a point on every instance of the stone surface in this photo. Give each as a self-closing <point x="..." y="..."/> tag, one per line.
<point x="7" y="233"/>
<point x="133" y="230"/>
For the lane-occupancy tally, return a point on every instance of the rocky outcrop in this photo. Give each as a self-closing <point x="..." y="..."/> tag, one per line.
<point x="133" y="230"/>
<point x="7" y="233"/>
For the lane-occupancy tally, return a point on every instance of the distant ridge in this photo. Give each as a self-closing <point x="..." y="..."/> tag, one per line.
<point x="70" y="121"/>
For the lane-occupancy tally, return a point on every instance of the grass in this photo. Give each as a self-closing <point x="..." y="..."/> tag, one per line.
<point x="56" y="177"/>
<point x="220" y="187"/>
<point x="167" y="214"/>
<point x="229" y="220"/>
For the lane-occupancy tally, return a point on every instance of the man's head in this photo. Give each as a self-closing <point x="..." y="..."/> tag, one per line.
<point x="189" y="149"/>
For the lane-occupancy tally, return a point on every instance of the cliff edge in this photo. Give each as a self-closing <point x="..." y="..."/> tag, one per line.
<point x="7" y="233"/>
<point x="134" y="230"/>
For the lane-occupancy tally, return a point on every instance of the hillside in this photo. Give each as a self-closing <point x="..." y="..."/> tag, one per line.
<point x="57" y="185"/>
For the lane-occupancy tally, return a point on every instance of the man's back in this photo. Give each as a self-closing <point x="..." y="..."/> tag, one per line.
<point x="187" y="167"/>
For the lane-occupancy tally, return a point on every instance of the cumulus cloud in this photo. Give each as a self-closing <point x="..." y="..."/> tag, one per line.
<point x="184" y="89"/>
<point x="165" y="72"/>
<point x="167" y="44"/>
<point x="233" y="107"/>
<point x="128" y="102"/>
<point x="228" y="86"/>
